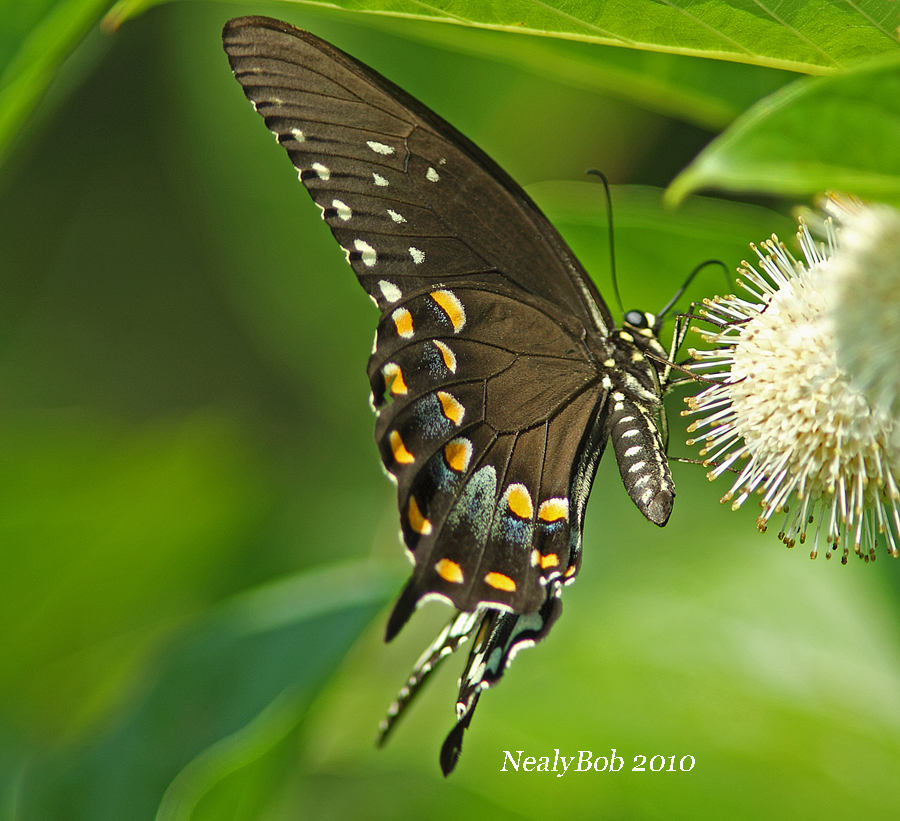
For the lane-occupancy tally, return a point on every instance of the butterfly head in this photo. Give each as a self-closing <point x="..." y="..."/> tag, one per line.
<point x="640" y="321"/>
<point x="643" y="328"/>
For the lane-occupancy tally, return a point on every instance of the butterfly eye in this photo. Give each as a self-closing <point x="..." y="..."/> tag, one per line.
<point x="637" y="319"/>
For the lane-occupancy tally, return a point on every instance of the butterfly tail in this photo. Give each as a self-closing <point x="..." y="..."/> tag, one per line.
<point x="500" y="637"/>
<point x="458" y="630"/>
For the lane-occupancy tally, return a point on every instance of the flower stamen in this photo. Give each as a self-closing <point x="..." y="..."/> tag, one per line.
<point x="784" y="398"/>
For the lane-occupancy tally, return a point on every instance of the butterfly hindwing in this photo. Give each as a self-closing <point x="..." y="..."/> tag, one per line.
<point x="483" y="482"/>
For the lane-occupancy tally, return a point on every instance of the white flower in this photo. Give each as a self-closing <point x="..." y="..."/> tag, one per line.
<point x="864" y="303"/>
<point x="807" y="378"/>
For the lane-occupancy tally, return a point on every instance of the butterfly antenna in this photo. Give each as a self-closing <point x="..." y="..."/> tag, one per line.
<point x="612" y="243"/>
<point x="690" y="278"/>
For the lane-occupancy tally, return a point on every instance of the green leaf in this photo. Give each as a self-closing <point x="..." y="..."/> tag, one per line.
<point x="692" y="89"/>
<point x="838" y="132"/>
<point x="808" y="35"/>
<point x="35" y="39"/>
<point x="223" y="696"/>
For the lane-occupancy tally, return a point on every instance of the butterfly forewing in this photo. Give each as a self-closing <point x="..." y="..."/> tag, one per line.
<point x="399" y="173"/>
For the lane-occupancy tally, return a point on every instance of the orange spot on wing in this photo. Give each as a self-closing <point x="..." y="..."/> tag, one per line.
<point x="447" y="355"/>
<point x="500" y="582"/>
<point x="449" y="571"/>
<point x="518" y="499"/>
<point x="401" y="454"/>
<point x="458" y="453"/>
<point x="451" y="306"/>
<point x="394" y="377"/>
<point x="451" y="407"/>
<point x="416" y="520"/>
<point x="552" y="510"/>
<point x="403" y="322"/>
<point x="550" y="560"/>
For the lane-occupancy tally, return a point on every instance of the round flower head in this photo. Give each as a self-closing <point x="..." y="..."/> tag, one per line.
<point x="806" y="378"/>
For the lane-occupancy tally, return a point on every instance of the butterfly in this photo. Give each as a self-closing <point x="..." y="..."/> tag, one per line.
<point x="498" y="375"/>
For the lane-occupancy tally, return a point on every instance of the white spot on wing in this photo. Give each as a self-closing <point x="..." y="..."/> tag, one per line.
<point x="391" y="292"/>
<point x="323" y="171"/>
<point x="431" y="175"/>
<point x="298" y="135"/>
<point x="379" y="180"/>
<point x="343" y="210"/>
<point x="417" y="255"/>
<point x="369" y="256"/>
<point x="398" y="218"/>
<point x="380" y="148"/>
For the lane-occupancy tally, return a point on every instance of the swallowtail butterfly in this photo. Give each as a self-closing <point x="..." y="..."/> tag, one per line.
<point x="498" y="374"/>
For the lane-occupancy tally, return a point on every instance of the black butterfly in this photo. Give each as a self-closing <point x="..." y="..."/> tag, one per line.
<point x="498" y="374"/>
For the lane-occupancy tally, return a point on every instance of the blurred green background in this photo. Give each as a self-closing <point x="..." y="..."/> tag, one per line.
<point x="198" y="548"/>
